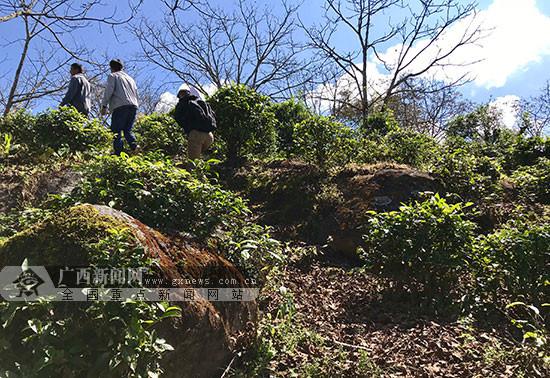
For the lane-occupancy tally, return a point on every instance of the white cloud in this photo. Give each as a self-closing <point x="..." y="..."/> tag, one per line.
<point x="508" y="106"/>
<point x="517" y="34"/>
<point x="169" y="100"/>
<point x="166" y="103"/>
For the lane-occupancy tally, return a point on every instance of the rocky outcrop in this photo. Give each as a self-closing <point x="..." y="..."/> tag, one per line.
<point x="373" y="187"/>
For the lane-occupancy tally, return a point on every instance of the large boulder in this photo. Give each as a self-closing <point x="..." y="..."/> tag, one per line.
<point x="381" y="187"/>
<point x="206" y="333"/>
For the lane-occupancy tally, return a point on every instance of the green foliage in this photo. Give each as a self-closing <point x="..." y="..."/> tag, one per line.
<point x="160" y="132"/>
<point x="20" y="125"/>
<point x="246" y="122"/>
<point x="66" y="127"/>
<point x="159" y="194"/>
<point x="411" y="148"/>
<point x="465" y="171"/>
<point x="427" y="243"/>
<point x="533" y="182"/>
<point x="380" y="123"/>
<point x="483" y="124"/>
<point x="252" y="249"/>
<point x="530" y="320"/>
<point x="58" y="129"/>
<point x="323" y="141"/>
<point x="289" y="113"/>
<point x="513" y="261"/>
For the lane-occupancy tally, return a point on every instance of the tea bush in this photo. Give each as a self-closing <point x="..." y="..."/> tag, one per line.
<point x="323" y="141"/>
<point x="411" y="148"/>
<point x="288" y="114"/>
<point x="57" y="129"/>
<point x="533" y="182"/>
<point x="246" y="122"/>
<point x="380" y="123"/>
<point x="465" y="171"/>
<point x="427" y="243"/>
<point x="160" y="132"/>
<point x="159" y="194"/>
<point x="66" y="127"/>
<point x="514" y="262"/>
<point x="20" y="125"/>
<point x="252" y="249"/>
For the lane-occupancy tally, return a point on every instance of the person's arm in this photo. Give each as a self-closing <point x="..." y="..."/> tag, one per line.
<point x="109" y="90"/>
<point x="71" y="92"/>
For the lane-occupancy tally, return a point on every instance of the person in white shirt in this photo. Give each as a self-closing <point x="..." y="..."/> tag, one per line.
<point x="121" y="98"/>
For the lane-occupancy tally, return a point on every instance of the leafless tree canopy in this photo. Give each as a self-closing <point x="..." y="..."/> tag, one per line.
<point x="427" y="106"/>
<point x="535" y="112"/>
<point x="49" y="43"/>
<point x="206" y="45"/>
<point x="424" y="21"/>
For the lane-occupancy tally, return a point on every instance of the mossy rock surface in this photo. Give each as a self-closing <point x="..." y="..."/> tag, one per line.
<point x="69" y="238"/>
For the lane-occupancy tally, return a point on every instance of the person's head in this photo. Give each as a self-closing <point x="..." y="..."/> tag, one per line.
<point x="184" y="91"/>
<point x="116" y="65"/>
<point x="76" y="68"/>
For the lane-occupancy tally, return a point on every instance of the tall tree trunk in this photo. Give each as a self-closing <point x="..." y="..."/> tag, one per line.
<point x="15" y="83"/>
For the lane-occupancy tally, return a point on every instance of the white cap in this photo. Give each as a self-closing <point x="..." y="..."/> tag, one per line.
<point x="184" y="87"/>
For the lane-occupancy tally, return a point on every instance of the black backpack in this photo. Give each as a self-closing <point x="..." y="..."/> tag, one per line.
<point x="204" y="116"/>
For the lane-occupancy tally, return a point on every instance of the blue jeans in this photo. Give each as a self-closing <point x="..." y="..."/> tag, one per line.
<point x="122" y="121"/>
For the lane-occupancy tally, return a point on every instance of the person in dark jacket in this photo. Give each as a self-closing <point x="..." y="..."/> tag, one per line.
<point x="79" y="91"/>
<point x="190" y="117"/>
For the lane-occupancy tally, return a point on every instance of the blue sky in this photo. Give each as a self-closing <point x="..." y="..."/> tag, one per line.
<point x="516" y="54"/>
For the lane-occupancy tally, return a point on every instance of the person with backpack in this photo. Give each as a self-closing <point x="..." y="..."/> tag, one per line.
<point x="198" y="121"/>
<point x="122" y="98"/>
<point x="79" y="91"/>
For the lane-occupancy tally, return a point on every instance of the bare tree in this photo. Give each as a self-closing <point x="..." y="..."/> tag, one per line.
<point x="49" y="44"/>
<point x="535" y="112"/>
<point x="248" y="45"/>
<point x="427" y="106"/>
<point x="417" y="37"/>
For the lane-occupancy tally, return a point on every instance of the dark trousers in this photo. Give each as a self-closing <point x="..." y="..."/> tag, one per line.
<point x="122" y="121"/>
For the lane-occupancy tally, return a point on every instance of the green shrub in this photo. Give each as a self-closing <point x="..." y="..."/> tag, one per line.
<point x="526" y="151"/>
<point x="425" y="243"/>
<point x="21" y="126"/>
<point x="380" y="123"/>
<point x="246" y="123"/>
<point x="514" y="262"/>
<point x="160" y="132"/>
<point x="252" y="249"/>
<point x="159" y="194"/>
<point x="465" y="171"/>
<point x="67" y="128"/>
<point x="410" y="147"/>
<point x="288" y="114"/>
<point x="322" y="141"/>
<point x="533" y="182"/>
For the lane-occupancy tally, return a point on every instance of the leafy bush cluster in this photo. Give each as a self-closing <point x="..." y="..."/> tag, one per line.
<point x="432" y="244"/>
<point x="159" y="194"/>
<point x="63" y="128"/>
<point x="427" y="243"/>
<point x="160" y="132"/>
<point x="323" y="141"/>
<point x="246" y="122"/>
